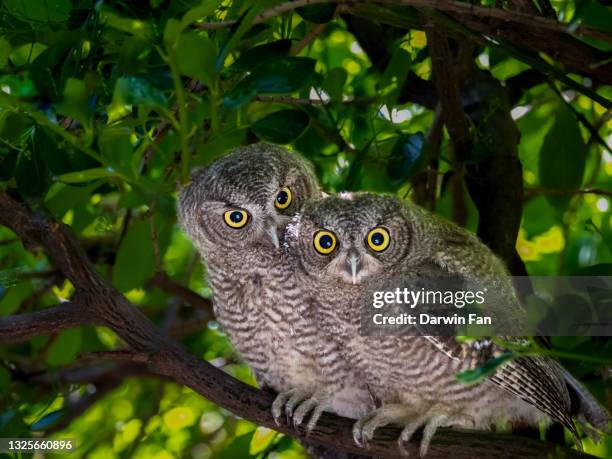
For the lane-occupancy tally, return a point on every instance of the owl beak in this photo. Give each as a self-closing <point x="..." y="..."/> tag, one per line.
<point x="352" y="261"/>
<point x="273" y="233"/>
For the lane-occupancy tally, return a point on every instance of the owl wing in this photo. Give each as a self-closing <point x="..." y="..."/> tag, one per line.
<point x="537" y="380"/>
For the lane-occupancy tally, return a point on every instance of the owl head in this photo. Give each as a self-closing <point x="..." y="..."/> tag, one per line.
<point x="246" y="198"/>
<point x="351" y="237"/>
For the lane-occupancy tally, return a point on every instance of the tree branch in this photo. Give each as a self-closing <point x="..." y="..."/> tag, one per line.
<point x="101" y="303"/>
<point x="526" y="30"/>
<point x="22" y="327"/>
<point x="448" y="6"/>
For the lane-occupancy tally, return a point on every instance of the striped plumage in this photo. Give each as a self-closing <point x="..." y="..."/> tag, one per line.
<point x="414" y="377"/>
<point x="256" y="298"/>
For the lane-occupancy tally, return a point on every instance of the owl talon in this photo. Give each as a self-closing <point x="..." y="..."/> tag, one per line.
<point x="316" y="404"/>
<point x="431" y="422"/>
<point x="294" y="402"/>
<point x="364" y="428"/>
<point x="278" y="405"/>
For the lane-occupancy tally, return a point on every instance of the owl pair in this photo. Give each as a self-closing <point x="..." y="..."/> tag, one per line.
<point x="287" y="266"/>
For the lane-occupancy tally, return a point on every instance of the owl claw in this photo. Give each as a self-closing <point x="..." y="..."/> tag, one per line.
<point x="286" y="402"/>
<point x="432" y="422"/>
<point x="296" y="398"/>
<point x="364" y="428"/>
<point x="279" y="404"/>
<point x="315" y="405"/>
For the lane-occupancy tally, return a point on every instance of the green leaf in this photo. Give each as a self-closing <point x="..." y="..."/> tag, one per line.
<point x="68" y="197"/>
<point x="394" y="76"/>
<point x="43" y="11"/>
<point x="47" y="420"/>
<point x="59" y="157"/>
<point x="15" y="128"/>
<point x="65" y="347"/>
<point x="11" y="424"/>
<point x="196" y="55"/>
<point x="562" y="157"/>
<point x="591" y="13"/>
<point x="318" y="14"/>
<point x="239" y="447"/>
<point x="284" y="75"/>
<point x="31" y="174"/>
<point x="237" y="31"/>
<point x="472" y="376"/>
<point x="134" y="264"/>
<point x="116" y="146"/>
<point x="132" y="26"/>
<point x="261" y="54"/>
<point x="204" y="9"/>
<point x="137" y="91"/>
<point x="75" y="103"/>
<point x="86" y="175"/>
<point x="334" y="82"/>
<point x="8" y="160"/>
<point x="5" y="379"/>
<point x="407" y="157"/>
<point x="13" y="295"/>
<point x="5" y="51"/>
<point x="282" y="126"/>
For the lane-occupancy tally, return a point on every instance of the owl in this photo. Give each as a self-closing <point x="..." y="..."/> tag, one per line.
<point x="346" y="243"/>
<point x="235" y="211"/>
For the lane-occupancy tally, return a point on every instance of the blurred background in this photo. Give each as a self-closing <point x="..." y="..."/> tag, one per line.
<point x="498" y="121"/>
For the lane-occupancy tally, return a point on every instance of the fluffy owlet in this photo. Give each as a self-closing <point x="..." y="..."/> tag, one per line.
<point x="341" y="244"/>
<point x="235" y="211"/>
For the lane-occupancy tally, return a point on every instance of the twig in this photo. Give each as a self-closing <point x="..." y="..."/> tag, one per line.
<point x="124" y="355"/>
<point x="308" y="38"/>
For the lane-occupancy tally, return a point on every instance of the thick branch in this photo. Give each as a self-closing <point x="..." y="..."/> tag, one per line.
<point x="167" y="358"/>
<point x="22" y="327"/>
<point x="447" y="86"/>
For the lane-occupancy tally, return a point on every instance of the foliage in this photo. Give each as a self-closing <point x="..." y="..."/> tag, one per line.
<point x="106" y="107"/>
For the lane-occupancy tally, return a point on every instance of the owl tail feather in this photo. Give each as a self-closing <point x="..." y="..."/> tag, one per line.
<point x="593" y="417"/>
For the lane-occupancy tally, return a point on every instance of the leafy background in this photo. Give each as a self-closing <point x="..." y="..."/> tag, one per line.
<point x="105" y="108"/>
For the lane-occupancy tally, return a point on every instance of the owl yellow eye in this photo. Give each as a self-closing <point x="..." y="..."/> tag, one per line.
<point x="236" y="218"/>
<point x="324" y="242"/>
<point x="283" y="198"/>
<point x="378" y="239"/>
